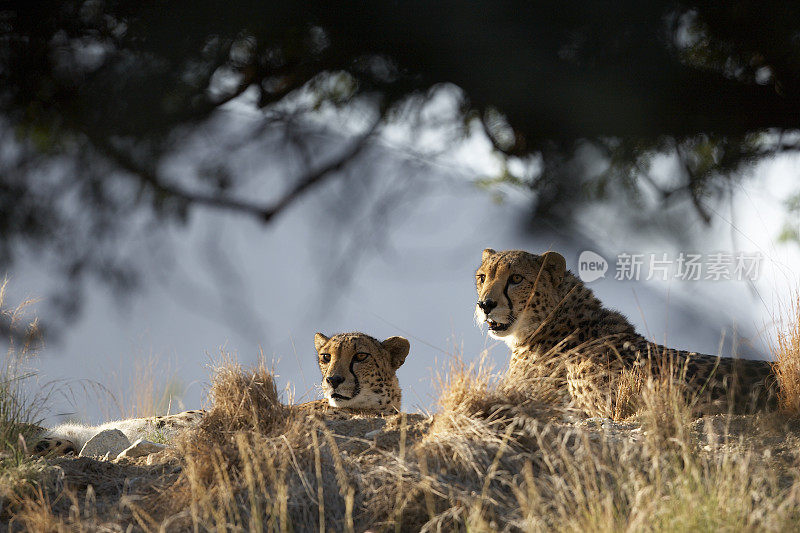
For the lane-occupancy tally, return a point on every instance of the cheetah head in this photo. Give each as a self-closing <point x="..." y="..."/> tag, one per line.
<point x="359" y="371"/>
<point x="516" y="291"/>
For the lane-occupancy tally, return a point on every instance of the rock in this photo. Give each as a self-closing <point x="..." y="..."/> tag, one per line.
<point x="108" y="443"/>
<point x="140" y="448"/>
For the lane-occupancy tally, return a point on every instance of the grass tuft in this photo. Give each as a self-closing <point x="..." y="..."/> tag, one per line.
<point x="142" y="391"/>
<point x="786" y="352"/>
<point x="20" y="410"/>
<point x="502" y="452"/>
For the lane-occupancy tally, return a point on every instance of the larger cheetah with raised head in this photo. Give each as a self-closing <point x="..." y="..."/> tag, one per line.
<point x="539" y="308"/>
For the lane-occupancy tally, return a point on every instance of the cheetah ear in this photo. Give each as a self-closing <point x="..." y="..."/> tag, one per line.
<point x="398" y="350"/>
<point x="320" y="340"/>
<point x="487" y="253"/>
<point x="556" y="264"/>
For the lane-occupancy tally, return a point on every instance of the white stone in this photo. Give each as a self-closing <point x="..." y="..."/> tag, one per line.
<point x="109" y="443"/>
<point x="139" y="448"/>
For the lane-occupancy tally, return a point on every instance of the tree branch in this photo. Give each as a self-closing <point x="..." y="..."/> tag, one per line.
<point x="318" y="175"/>
<point x="263" y="212"/>
<point x="694" y="193"/>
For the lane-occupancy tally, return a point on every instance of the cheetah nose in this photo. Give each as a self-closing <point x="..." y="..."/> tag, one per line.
<point x="487" y="305"/>
<point x="334" y="381"/>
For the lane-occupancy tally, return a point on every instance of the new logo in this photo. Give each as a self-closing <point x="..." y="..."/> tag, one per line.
<point x="591" y="266"/>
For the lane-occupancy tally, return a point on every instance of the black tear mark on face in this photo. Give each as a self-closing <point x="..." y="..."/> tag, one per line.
<point x="160" y="424"/>
<point x="508" y="298"/>
<point x="357" y="386"/>
<point x="40" y="447"/>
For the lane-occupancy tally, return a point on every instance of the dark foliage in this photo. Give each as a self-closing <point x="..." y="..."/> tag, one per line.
<point x="97" y="95"/>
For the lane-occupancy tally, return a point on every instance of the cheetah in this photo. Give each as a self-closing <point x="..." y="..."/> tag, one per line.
<point x="69" y="438"/>
<point x="358" y="378"/>
<point x="359" y="374"/>
<point x="539" y="308"/>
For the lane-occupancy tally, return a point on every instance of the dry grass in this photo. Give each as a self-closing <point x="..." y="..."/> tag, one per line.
<point x="35" y="514"/>
<point x="142" y="391"/>
<point x="485" y="466"/>
<point x="20" y="409"/>
<point x="503" y="452"/>
<point x="786" y="352"/>
<point x="665" y="403"/>
<point x="256" y="464"/>
<point x="626" y="486"/>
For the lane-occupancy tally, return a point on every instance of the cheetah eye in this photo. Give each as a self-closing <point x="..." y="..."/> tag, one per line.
<point x="325" y="358"/>
<point x="360" y="356"/>
<point x="515" y="279"/>
<point x="481" y="278"/>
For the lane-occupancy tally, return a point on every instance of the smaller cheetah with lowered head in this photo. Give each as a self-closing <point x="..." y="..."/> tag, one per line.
<point x="359" y="377"/>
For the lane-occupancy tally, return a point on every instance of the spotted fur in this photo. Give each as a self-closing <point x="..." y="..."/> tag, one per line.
<point x="359" y="373"/>
<point x="538" y="307"/>
<point x="369" y="385"/>
<point x="69" y="438"/>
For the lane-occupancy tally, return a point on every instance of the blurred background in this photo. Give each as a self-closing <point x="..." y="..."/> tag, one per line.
<point x="178" y="180"/>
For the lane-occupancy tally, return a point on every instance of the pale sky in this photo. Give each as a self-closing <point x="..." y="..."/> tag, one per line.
<point x="245" y="288"/>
